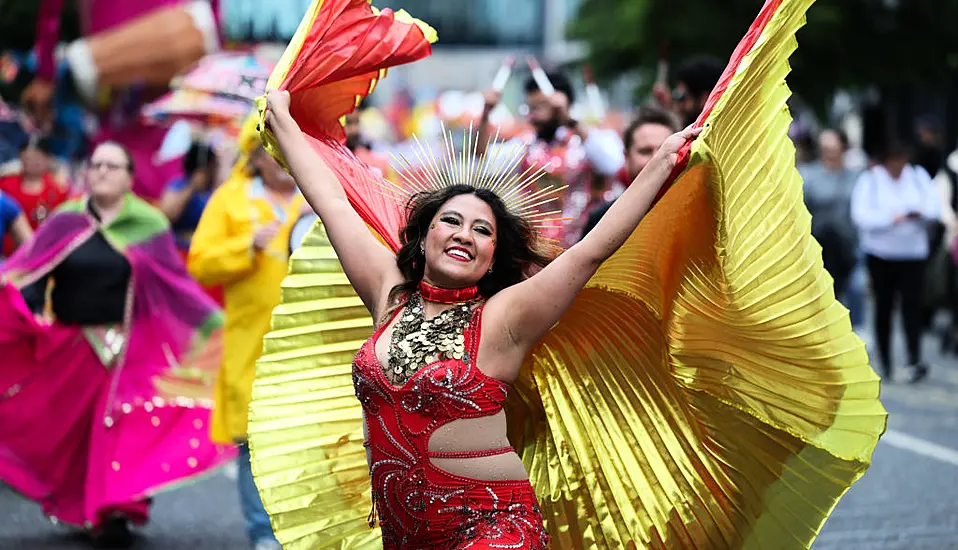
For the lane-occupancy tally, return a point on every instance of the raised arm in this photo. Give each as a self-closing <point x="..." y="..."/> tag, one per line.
<point x="369" y="265"/>
<point x="603" y="149"/>
<point x="529" y="309"/>
<point x="490" y="100"/>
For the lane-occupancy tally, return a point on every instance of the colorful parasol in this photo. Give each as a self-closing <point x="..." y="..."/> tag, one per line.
<point x="238" y="75"/>
<point x="195" y="106"/>
<point x="218" y="91"/>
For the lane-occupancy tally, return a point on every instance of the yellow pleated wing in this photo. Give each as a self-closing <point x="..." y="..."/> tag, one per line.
<point x="706" y="389"/>
<point x="305" y="423"/>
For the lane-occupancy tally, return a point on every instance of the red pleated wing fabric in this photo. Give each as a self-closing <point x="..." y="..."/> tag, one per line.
<point x="340" y="51"/>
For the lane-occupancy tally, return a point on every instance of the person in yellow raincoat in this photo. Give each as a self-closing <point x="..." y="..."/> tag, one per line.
<point x="242" y="243"/>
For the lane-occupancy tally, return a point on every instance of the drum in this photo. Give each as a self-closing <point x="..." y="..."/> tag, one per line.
<point x="137" y="50"/>
<point x="300" y="229"/>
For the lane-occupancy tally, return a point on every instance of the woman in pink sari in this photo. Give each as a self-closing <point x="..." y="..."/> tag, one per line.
<point x="106" y="383"/>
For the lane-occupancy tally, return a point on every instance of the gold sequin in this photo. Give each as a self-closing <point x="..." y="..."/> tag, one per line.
<point x="191" y="462"/>
<point x="417" y="342"/>
<point x="198" y="424"/>
<point x="195" y="443"/>
<point x="165" y="467"/>
<point x="116" y="466"/>
<point x="155" y="421"/>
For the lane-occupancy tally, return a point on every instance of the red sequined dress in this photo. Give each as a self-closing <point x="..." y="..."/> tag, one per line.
<point x="420" y="505"/>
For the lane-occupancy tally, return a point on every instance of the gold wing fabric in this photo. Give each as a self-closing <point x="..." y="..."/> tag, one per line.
<point x="704" y="391"/>
<point x="305" y="427"/>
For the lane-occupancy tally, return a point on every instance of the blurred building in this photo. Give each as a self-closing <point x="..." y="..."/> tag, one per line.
<point x="474" y="36"/>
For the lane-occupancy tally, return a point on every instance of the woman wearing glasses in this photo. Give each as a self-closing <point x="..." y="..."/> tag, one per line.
<point x="110" y="351"/>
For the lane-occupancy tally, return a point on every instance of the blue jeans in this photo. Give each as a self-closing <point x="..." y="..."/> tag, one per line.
<point x="258" y="527"/>
<point x="854" y="296"/>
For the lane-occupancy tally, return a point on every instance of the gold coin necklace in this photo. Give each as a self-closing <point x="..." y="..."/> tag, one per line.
<point x="417" y="342"/>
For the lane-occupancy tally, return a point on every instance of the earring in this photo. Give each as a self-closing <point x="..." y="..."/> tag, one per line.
<point x="422" y="249"/>
<point x="489" y="272"/>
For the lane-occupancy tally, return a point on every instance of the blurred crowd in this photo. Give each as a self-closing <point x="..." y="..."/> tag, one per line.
<point x="889" y="227"/>
<point x="885" y="220"/>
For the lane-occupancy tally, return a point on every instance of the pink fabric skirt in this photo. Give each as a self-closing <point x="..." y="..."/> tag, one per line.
<point x="57" y="446"/>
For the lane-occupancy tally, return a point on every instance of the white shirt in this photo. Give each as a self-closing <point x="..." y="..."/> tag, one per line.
<point x="878" y="200"/>
<point x="604" y="150"/>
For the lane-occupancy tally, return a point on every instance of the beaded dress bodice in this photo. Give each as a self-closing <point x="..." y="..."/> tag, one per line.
<point x="420" y="505"/>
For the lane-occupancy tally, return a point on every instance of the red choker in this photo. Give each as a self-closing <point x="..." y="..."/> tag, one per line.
<point x="447" y="295"/>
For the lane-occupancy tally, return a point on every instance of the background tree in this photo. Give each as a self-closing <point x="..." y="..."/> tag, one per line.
<point x="890" y="44"/>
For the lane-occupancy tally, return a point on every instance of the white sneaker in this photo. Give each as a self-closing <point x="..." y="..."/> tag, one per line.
<point x="268" y="545"/>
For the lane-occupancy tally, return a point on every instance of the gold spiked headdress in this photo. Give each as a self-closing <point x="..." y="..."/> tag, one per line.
<point x="496" y="171"/>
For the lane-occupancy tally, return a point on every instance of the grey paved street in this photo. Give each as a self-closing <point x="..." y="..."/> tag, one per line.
<point x="205" y="516"/>
<point x="907" y="500"/>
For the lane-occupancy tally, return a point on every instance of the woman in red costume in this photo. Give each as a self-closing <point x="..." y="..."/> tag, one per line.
<point x="702" y="388"/>
<point x="456" y="318"/>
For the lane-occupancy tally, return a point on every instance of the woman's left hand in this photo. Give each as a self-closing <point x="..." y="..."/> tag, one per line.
<point x="669" y="151"/>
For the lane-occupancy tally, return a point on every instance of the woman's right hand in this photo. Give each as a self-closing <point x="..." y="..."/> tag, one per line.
<point x="277" y="107"/>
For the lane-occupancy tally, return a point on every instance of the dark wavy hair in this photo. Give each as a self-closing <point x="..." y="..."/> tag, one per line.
<point x="516" y="257"/>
